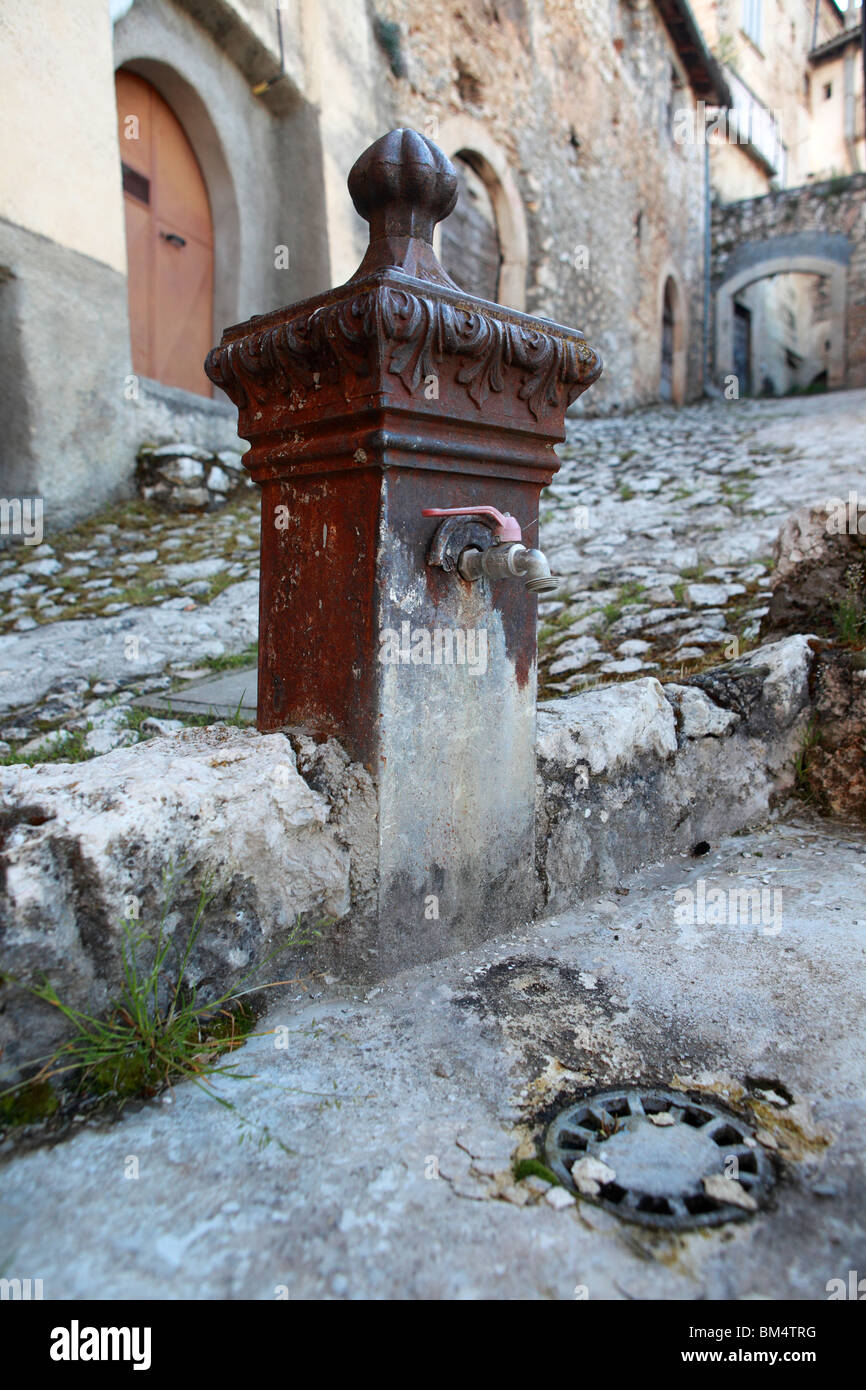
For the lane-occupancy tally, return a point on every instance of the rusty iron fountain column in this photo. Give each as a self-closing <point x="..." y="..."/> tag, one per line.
<point x="392" y="631"/>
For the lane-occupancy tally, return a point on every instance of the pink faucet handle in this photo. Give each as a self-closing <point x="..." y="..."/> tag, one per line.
<point x="507" y="527"/>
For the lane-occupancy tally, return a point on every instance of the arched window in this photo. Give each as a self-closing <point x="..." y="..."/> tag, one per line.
<point x="169" y="240"/>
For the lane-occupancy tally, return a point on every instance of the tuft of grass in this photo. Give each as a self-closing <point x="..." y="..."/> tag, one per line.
<point x="28" y="1104"/>
<point x="228" y="662"/>
<point x="158" y="1030"/>
<point x="611" y="612"/>
<point x="219" y="583"/>
<point x="203" y="721"/>
<point x="631" y="591"/>
<point x="534" y="1168"/>
<point x="556" y="625"/>
<point x="135" y="717"/>
<point x="810" y="738"/>
<point x="849" y="614"/>
<point x="71" y="748"/>
<point x="834" y="186"/>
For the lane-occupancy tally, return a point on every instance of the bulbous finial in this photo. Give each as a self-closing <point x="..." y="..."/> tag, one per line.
<point x="403" y="185"/>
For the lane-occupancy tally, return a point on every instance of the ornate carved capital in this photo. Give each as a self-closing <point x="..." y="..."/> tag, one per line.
<point x="400" y="317"/>
<point x="414" y="336"/>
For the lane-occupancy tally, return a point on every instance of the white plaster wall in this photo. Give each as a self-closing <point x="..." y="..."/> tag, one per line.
<point x="346" y="64"/>
<point x="61" y="174"/>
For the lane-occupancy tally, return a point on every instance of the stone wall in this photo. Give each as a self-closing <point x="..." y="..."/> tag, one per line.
<point x="817" y="229"/>
<point x="578" y="103"/>
<point x="286" y="833"/>
<point x="64" y="364"/>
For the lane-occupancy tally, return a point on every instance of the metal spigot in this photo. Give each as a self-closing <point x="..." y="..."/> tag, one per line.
<point x="506" y="558"/>
<point x="532" y="564"/>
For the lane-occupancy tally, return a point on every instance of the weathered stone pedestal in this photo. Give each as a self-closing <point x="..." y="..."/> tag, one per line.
<point x="395" y="393"/>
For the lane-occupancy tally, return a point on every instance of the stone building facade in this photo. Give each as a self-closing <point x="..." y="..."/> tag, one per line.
<point x="765" y="47"/>
<point x="817" y="233"/>
<point x="797" y="117"/>
<point x="578" y="202"/>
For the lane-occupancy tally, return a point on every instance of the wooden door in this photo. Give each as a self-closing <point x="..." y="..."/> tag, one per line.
<point x="666" y="390"/>
<point x="169" y="240"/>
<point x="743" y="348"/>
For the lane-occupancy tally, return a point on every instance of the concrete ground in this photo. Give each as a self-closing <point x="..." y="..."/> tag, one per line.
<point x="321" y="1179"/>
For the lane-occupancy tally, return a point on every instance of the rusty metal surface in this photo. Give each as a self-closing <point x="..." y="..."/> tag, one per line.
<point x="456" y="534"/>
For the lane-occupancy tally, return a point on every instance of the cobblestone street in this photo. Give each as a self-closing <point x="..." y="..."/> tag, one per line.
<point x="660" y="525"/>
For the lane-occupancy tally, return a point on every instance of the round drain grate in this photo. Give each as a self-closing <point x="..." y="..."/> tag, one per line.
<point x="660" y="1146"/>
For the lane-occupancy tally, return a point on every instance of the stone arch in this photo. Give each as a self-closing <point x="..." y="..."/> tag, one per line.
<point x="195" y="118"/>
<point x="469" y="138"/>
<point x="672" y="307"/>
<point x="757" y="261"/>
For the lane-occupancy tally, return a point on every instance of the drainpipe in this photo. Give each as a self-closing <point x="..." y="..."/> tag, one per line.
<point x="261" y="87"/>
<point x="401" y="432"/>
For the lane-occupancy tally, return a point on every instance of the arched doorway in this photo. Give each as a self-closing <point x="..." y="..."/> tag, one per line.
<point x="783" y="335"/>
<point x="672" y="381"/>
<point x="770" y="277"/>
<point x="169" y="239"/>
<point x="471" y="253"/>
<point x="489" y="192"/>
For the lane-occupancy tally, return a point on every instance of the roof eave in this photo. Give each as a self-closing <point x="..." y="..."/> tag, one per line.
<point x="705" y="74"/>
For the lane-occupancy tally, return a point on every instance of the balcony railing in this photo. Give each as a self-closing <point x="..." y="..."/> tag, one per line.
<point x="753" y="124"/>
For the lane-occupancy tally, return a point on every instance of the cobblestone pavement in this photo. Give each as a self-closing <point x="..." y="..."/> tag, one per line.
<point x="660" y="524"/>
<point x="133" y="601"/>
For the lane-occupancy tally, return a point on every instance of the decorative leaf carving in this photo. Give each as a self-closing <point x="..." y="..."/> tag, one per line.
<point x="413" y="334"/>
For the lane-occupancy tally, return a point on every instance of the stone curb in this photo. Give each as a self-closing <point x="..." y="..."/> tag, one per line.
<point x="628" y="774"/>
<point x="632" y="773"/>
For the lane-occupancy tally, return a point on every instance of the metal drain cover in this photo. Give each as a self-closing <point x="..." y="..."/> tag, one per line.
<point x="660" y="1167"/>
